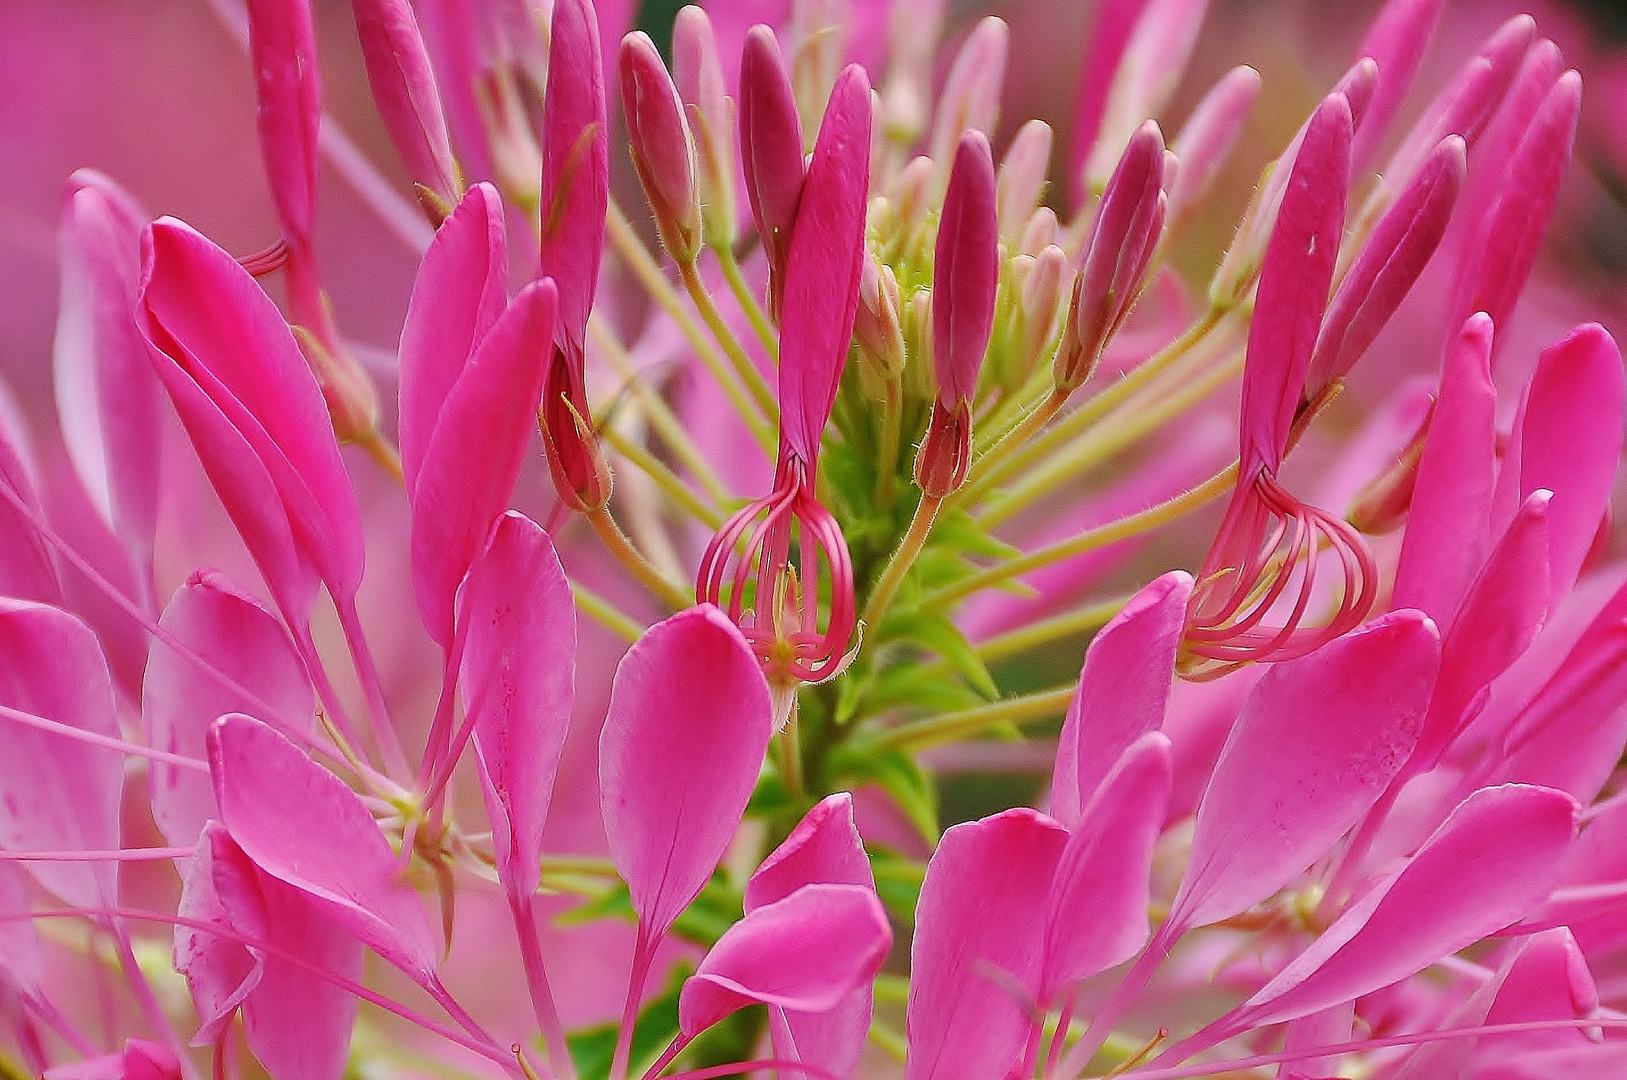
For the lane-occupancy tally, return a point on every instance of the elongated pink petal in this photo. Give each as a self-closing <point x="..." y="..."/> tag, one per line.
<point x="1294" y="282"/>
<point x="1449" y="526"/>
<point x="1206" y="139"/>
<point x="288" y="88"/>
<point x="1495" y="859"/>
<point x="302" y="825"/>
<point x="979" y="941"/>
<point x="662" y="148"/>
<point x="241" y="639"/>
<point x="1284" y="790"/>
<point x="1567" y="439"/>
<point x="1114" y="22"/>
<point x="1021" y="180"/>
<point x="56" y="792"/>
<point x="241" y="354"/>
<point x="575" y="166"/>
<point x="1498" y="261"/>
<point x="970" y="98"/>
<point x="673" y="792"/>
<point x="519" y="622"/>
<point x="107" y="398"/>
<point x="219" y="970"/>
<point x="1503" y="611"/>
<point x="1098" y="911"/>
<point x="1394" y="257"/>
<point x="460" y="291"/>
<point x="1397" y="40"/>
<point x="473" y="457"/>
<point x="1123" y="691"/>
<point x="965" y="272"/>
<point x="823" y="267"/>
<point x="770" y="150"/>
<point x="404" y="90"/>
<point x="698" y="73"/>
<point x="805" y="953"/>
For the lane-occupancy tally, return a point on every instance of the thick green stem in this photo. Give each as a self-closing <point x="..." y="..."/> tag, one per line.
<point x="748" y="302"/>
<point x="881" y="597"/>
<point x="753" y="379"/>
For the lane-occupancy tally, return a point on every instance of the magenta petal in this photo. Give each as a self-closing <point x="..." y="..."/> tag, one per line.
<point x="770" y="145"/>
<point x="824" y="849"/>
<point x="1397" y="40"/>
<point x="58" y="793"/>
<point x="1098" y="913"/>
<point x="461" y="289"/>
<point x="575" y="165"/>
<point x="965" y="272"/>
<point x="805" y="953"/>
<point x="1123" y="691"/>
<point x="1550" y="980"/>
<point x="288" y="89"/>
<point x="474" y="456"/>
<point x="979" y="940"/>
<point x="1567" y="439"/>
<point x="1285" y="790"/>
<point x="302" y="825"/>
<point x="230" y="630"/>
<point x="1493" y="861"/>
<point x="519" y="625"/>
<point x="1449" y="526"/>
<point x="28" y="568"/>
<point x="823" y="267"/>
<point x="1294" y="281"/>
<point x="241" y="355"/>
<point x="673" y="793"/>
<point x="404" y="90"/>
<point x="219" y="970"/>
<point x="107" y="399"/>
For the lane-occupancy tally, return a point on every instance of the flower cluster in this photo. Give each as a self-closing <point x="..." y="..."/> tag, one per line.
<point x="1346" y="799"/>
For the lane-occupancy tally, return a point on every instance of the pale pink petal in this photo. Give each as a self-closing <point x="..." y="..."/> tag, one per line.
<point x="970" y="97"/>
<point x="1206" y="139"/>
<point x="28" y="568"/>
<point x="242" y="640"/>
<point x="21" y="964"/>
<point x="1284" y="789"/>
<point x="1123" y="691"/>
<point x="1397" y="40"/>
<point x="219" y="969"/>
<point x="1110" y="32"/>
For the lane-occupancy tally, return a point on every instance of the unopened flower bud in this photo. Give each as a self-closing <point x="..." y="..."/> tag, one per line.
<point x="516" y="159"/>
<point x="1207" y="138"/>
<point x="770" y="151"/>
<point x="353" y="403"/>
<point x="971" y="92"/>
<point x="965" y="272"/>
<point x="699" y="77"/>
<point x="399" y="73"/>
<point x="818" y="47"/>
<point x="663" y="152"/>
<point x="1117" y="255"/>
<point x="912" y="190"/>
<point x="1022" y="177"/>
<point x="1040" y="232"/>
<point x="1382" y="505"/>
<point x="946" y="452"/>
<point x="906" y="96"/>
<point x="920" y="381"/>
<point x="877" y="327"/>
<point x="1040" y="300"/>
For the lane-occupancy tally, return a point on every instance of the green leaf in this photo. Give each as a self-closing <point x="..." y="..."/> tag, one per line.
<point x="896" y="772"/>
<point x="898" y="883"/>
<point x="943" y="637"/>
<point x="958" y="531"/>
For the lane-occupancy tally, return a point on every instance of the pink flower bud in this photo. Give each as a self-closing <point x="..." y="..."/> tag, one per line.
<point x="1040" y="233"/>
<point x="770" y="151"/>
<point x="663" y="152"/>
<point x="876" y="327"/>
<point x="946" y="452"/>
<point x="1396" y="41"/>
<point x="818" y="33"/>
<point x="1022" y="177"/>
<point x="1117" y="254"/>
<point x="699" y="75"/>
<point x="1041" y="297"/>
<point x="1207" y="138"/>
<point x="965" y="272"/>
<point x="971" y="91"/>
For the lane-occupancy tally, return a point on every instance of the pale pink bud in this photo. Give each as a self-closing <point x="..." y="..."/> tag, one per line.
<point x="699" y="75"/>
<point x="663" y="152"/>
<point x="1207" y="138"/>
<point x="818" y="34"/>
<point x="1392" y="260"/>
<point x="1152" y="64"/>
<point x="770" y="150"/>
<point x="965" y="272"/>
<point x="877" y="327"/>
<point x="1117" y="254"/>
<point x="971" y="92"/>
<point x="1022" y="176"/>
<point x="906" y="96"/>
<point x="1041" y="297"/>
<point x="404" y="89"/>
<point x="1396" y="41"/>
<point x="1040" y="233"/>
<point x="912" y="190"/>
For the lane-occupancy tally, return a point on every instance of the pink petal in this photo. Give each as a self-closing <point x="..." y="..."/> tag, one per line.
<point x="461" y="289"/>
<point x="1549" y="981"/>
<point x="1098" y="912"/>
<point x="288" y="88"/>
<point x="20" y="962"/>
<point x="57" y="793"/>
<point x="28" y="568"/>
<point x="1567" y="439"/>
<point x="1284" y="790"/>
<point x="672" y="794"/>
<point x="1495" y="859"/>
<point x="824" y="849"/>
<point x="805" y="953"/>
<point x="404" y="90"/>
<point x="770" y="145"/>
<point x="302" y="825"/>
<point x="965" y="272"/>
<point x="1397" y="40"/>
<point x="230" y="630"/>
<point x="823" y="267"/>
<point x="1294" y="280"/>
<point x="979" y="943"/>
<point x="1123" y="691"/>
<point x="240" y="353"/>
<point x="474" y="456"/>
<point x="519" y="622"/>
<point x="140" y="1060"/>
<point x="1449" y="526"/>
<point x="220" y="971"/>
<point x="1206" y="139"/>
<point x="1110" y="32"/>
<point x="107" y="399"/>
<point x="575" y="166"/>
<point x="970" y="98"/>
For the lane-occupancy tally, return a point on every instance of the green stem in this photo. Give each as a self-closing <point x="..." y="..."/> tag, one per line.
<point x="984" y="468"/>
<point x="926" y="511"/>
<point x="616" y="542"/>
<point x="1012" y="642"/>
<point x="667" y="480"/>
<point x="960" y="725"/>
<point x="1089" y="540"/>
<point x="605" y="613"/>
<point x="753" y="379"/>
<point x="892" y="424"/>
<point x="747" y="301"/>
